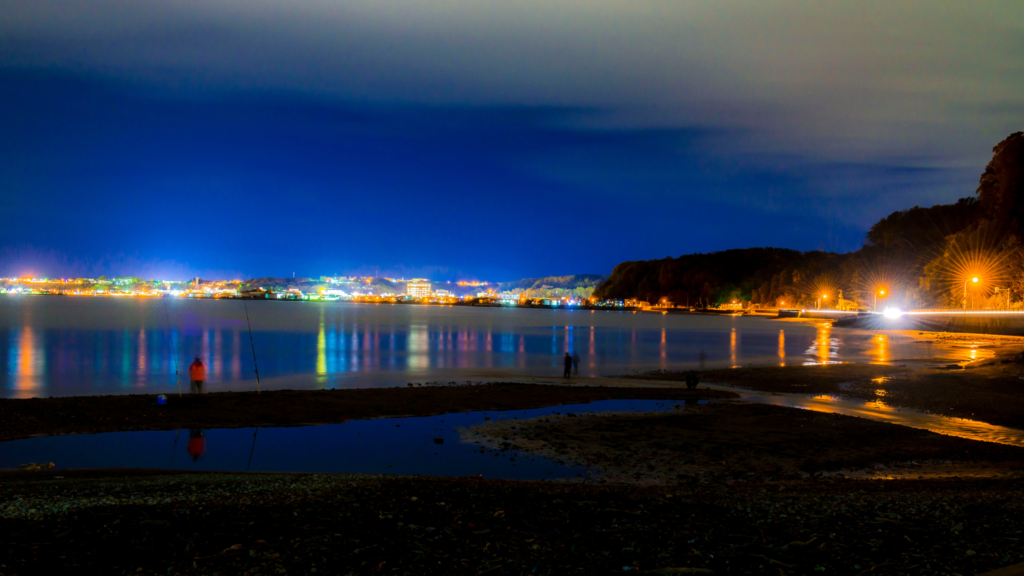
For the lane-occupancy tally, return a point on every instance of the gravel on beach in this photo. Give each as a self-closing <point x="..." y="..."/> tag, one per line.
<point x="125" y="523"/>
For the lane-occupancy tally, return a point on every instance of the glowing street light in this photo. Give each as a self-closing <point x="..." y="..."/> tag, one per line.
<point x="975" y="280"/>
<point x="877" y="294"/>
<point x="823" y="297"/>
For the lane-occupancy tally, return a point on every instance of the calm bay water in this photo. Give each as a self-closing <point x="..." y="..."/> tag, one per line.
<point x="64" y="346"/>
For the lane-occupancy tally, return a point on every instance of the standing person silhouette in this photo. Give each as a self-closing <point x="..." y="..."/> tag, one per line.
<point x="197" y="374"/>
<point x="567" y="363"/>
<point x="702" y="357"/>
<point x="576" y="362"/>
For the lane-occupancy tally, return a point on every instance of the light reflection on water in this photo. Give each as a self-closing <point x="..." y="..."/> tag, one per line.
<point x="825" y="349"/>
<point x="60" y="346"/>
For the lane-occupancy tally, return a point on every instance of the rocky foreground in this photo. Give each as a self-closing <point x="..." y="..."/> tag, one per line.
<point x="122" y="523"/>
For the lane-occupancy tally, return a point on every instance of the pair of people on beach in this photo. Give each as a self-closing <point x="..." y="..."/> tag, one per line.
<point x="570" y="362"/>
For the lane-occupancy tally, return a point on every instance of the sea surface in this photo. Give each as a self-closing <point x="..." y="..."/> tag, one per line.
<point x="68" y="346"/>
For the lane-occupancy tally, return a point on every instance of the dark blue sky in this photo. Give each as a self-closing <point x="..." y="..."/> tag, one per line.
<point x="480" y="140"/>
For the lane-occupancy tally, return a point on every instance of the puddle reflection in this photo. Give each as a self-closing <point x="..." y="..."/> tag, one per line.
<point x="418" y="446"/>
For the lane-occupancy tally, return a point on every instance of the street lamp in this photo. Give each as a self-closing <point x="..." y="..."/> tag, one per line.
<point x="877" y="294"/>
<point x="823" y="297"/>
<point x="975" y="280"/>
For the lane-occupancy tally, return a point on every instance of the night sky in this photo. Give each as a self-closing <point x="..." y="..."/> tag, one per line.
<point x="479" y="139"/>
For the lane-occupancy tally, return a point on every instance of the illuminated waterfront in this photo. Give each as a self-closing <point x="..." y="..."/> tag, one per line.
<point x="61" y="347"/>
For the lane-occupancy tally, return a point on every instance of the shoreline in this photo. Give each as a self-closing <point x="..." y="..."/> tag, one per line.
<point x="740" y="442"/>
<point x="985" y="389"/>
<point x="25" y="418"/>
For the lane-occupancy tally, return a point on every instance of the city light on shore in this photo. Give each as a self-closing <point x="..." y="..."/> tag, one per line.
<point x="371" y="290"/>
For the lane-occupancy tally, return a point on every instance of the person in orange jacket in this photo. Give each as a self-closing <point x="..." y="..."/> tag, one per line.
<point x="197" y="374"/>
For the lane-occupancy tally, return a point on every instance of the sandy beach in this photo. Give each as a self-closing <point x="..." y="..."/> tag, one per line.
<point x="740" y="442"/>
<point x="706" y="487"/>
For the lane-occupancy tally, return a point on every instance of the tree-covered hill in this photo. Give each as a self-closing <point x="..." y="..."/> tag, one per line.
<point x="920" y="257"/>
<point x="578" y="285"/>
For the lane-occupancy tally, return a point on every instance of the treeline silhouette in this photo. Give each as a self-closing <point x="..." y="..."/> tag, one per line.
<point x="578" y="285"/>
<point x="920" y="257"/>
<point x="564" y="282"/>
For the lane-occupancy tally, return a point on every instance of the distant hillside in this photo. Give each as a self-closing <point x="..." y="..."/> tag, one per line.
<point x="569" y="282"/>
<point x="280" y="284"/>
<point x="716" y="277"/>
<point x="578" y="285"/>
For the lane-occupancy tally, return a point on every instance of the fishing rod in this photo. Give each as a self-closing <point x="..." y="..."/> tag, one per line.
<point x="174" y="351"/>
<point x="173" y="450"/>
<point x="253" y="448"/>
<point x="251" y="343"/>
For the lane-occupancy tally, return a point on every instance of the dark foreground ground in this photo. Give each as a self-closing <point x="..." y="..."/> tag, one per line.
<point x="339" y="524"/>
<point x="720" y="489"/>
<point x="91" y="414"/>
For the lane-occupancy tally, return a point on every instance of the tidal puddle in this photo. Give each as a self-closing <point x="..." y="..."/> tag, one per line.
<point x="381" y="446"/>
<point x="962" y="428"/>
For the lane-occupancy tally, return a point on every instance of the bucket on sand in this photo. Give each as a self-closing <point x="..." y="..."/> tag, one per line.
<point x="161" y="399"/>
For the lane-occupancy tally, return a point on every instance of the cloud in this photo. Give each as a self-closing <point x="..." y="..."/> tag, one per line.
<point x="856" y="78"/>
<point x="474" y="115"/>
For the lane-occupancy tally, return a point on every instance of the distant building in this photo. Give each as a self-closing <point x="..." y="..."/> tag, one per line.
<point x="418" y="289"/>
<point x="443" y="293"/>
<point x="508" y="297"/>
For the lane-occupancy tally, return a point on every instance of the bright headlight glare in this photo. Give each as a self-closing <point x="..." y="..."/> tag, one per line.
<point x="893" y="313"/>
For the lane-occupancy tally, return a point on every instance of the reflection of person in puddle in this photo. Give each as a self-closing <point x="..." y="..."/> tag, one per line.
<point x="196" y="444"/>
<point x="691" y="380"/>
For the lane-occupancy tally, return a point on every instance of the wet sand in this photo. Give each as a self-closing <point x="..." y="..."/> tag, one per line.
<point x="989" y="390"/>
<point x="92" y="414"/>
<point x="740" y="442"/>
<point x="814" y="379"/>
